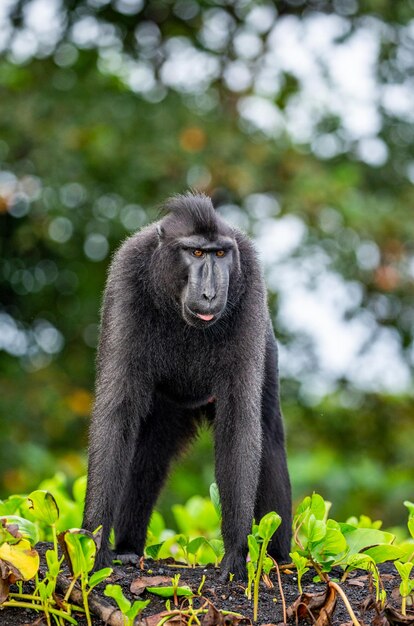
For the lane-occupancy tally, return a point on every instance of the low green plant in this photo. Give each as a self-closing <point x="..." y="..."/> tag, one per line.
<point x="69" y="503"/>
<point x="172" y="591"/>
<point x="258" y="542"/>
<point x="190" y="548"/>
<point x="46" y="588"/>
<point x="18" y="560"/>
<point x="410" y="523"/>
<point x="326" y="543"/>
<point x="201" y="585"/>
<point x="21" y="561"/>
<point x="217" y="547"/>
<point x="79" y="547"/>
<point x="301" y="564"/>
<point x="130" y="610"/>
<point x="366" y="562"/>
<point x="407" y="585"/>
<point x="317" y="538"/>
<point x="198" y="541"/>
<point x="192" y="551"/>
<point x="44" y="509"/>
<point x="318" y="541"/>
<point x="409" y="546"/>
<point x="363" y="521"/>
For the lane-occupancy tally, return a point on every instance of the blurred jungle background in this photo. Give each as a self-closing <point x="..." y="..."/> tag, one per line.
<point x="298" y="119"/>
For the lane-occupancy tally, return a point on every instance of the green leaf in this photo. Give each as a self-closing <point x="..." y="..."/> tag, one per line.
<point x="334" y="541"/>
<point x="195" y="544"/>
<point x="407" y="550"/>
<point x="404" y="569"/>
<point x="331" y="548"/>
<point x="314" y="529"/>
<point x="27" y="529"/>
<point x="197" y="513"/>
<point x="42" y="590"/>
<point x="217" y="546"/>
<point x="53" y="563"/>
<point x="79" y="547"/>
<point x="215" y="498"/>
<point x="115" y="592"/>
<point x="385" y="552"/>
<point x="364" y="522"/>
<point x="299" y="561"/>
<point x="153" y="550"/>
<point x="11" y="505"/>
<point x="156" y="525"/>
<point x="319" y="506"/>
<point x="410" y="525"/>
<point x="168" y="592"/>
<point x="362" y="538"/>
<point x="269" y="524"/>
<point x="360" y="561"/>
<point x="182" y="541"/>
<point x="410" y="507"/>
<point x="312" y="505"/>
<point x="253" y="548"/>
<point x="303" y="506"/>
<point x="79" y="490"/>
<point x="267" y="564"/>
<point x="137" y="607"/>
<point x="99" y="576"/>
<point x="43" y="506"/>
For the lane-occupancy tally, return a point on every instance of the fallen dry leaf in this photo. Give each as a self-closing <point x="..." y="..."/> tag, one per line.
<point x="389" y="616"/>
<point x="317" y="606"/>
<point x="139" y="585"/>
<point x="214" y="617"/>
<point x="175" y="620"/>
<point x="395" y="618"/>
<point x="380" y="620"/>
<point x="356" y="583"/>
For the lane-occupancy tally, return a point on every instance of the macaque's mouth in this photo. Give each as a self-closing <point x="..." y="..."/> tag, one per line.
<point x="207" y="317"/>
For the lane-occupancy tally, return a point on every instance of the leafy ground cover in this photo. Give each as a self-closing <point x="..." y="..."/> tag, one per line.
<point x="341" y="573"/>
<point x="231" y="596"/>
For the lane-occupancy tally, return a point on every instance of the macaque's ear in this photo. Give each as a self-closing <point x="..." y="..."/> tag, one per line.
<point x="160" y="232"/>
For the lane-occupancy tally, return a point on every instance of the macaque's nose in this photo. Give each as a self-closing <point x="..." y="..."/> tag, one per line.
<point x="209" y="294"/>
<point x="209" y="288"/>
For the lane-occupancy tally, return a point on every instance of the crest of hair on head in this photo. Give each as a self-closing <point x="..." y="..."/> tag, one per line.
<point x="195" y="211"/>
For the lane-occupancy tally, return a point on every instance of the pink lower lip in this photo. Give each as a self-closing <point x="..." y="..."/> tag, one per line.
<point x="206" y="318"/>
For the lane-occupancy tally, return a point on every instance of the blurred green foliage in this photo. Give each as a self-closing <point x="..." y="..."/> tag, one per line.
<point x="94" y="134"/>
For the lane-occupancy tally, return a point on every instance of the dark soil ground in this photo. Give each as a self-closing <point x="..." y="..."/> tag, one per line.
<point x="231" y="597"/>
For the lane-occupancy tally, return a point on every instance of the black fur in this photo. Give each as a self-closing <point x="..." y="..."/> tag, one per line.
<point x="162" y="368"/>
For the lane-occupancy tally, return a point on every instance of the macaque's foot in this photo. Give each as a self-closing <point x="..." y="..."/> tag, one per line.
<point x="235" y="564"/>
<point x="127" y="558"/>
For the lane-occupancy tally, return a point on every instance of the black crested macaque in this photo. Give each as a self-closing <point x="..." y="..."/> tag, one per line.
<point x="185" y="337"/>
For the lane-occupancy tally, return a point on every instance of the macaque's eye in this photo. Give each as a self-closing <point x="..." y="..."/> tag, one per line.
<point x="198" y="253"/>
<point x="220" y="253"/>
